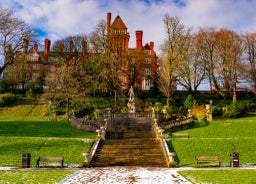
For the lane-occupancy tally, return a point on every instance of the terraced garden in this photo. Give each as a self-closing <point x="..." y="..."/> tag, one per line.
<point x="42" y="138"/>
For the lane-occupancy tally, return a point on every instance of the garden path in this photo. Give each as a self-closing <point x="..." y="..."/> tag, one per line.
<point x="125" y="175"/>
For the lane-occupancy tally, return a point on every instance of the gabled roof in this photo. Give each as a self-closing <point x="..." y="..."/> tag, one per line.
<point x="118" y="23"/>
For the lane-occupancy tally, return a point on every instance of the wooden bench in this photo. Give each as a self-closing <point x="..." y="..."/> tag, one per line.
<point x="50" y="159"/>
<point x="199" y="159"/>
<point x="180" y="135"/>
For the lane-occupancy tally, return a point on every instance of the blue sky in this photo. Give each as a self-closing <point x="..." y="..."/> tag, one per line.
<point x="56" y="19"/>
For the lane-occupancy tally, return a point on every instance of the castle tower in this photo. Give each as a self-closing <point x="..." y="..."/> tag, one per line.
<point x="118" y="35"/>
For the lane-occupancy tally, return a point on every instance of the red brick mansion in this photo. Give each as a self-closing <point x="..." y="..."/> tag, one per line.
<point x="143" y="56"/>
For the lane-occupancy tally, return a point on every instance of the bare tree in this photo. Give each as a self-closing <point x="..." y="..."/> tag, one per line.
<point x="249" y="43"/>
<point x="229" y="64"/>
<point x="174" y="50"/>
<point x="70" y="44"/>
<point x="166" y="80"/>
<point x="206" y="45"/>
<point x="12" y="33"/>
<point x="99" y="38"/>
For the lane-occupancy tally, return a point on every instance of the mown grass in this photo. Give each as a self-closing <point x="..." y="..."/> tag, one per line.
<point x="219" y="138"/>
<point x="33" y="176"/>
<point x="221" y="176"/>
<point x="42" y="139"/>
<point x="24" y="113"/>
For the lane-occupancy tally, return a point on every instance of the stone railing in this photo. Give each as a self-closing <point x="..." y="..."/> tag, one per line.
<point x="101" y="136"/>
<point x="86" y="125"/>
<point x="169" y="156"/>
<point x="133" y="115"/>
<point x="177" y="124"/>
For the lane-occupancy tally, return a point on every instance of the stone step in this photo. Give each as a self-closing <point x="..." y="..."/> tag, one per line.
<point x="130" y="142"/>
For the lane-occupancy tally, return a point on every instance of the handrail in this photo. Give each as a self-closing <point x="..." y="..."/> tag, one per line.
<point x="176" y="123"/>
<point x="101" y="136"/>
<point x="160" y="136"/>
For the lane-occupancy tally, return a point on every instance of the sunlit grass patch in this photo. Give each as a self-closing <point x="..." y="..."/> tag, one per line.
<point x="220" y="176"/>
<point x="33" y="176"/>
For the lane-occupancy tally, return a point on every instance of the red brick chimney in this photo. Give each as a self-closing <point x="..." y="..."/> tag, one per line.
<point x="139" y="39"/>
<point x="25" y="46"/>
<point x="127" y="42"/>
<point x="108" y="20"/>
<point x="71" y="45"/>
<point x="62" y="47"/>
<point x="35" y="47"/>
<point x="151" y="45"/>
<point x="84" y="48"/>
<point x="47" y="45"/>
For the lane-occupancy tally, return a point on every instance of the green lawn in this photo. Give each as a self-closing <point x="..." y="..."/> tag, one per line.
<point x="24" y="113"/>
<point x="33" y="176"/>
<point x="231" y="176"/>
<point x="220" y="138"/>
<point x="42" y="139"/>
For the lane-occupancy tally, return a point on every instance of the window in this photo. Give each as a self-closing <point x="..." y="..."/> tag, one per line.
<point x="36" y="67"/>
<point x="147" y="51"/>
<point x="32" y="58"/>
<point x="147" y="71"/>
<point x="146" y="84"/>
<point x="35" y="76"/>
<point x="147" y="60"/>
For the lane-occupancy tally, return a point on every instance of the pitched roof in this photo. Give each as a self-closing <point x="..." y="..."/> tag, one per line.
<point x="118" y="23"/>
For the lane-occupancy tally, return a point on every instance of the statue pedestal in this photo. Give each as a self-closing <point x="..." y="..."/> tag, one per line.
<point x="131" y="107"/>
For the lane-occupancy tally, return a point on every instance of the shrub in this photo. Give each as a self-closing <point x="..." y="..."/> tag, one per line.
<point x="234" y="110"/>
<point x="217" y="110"/>
<point x="82" y="111"/>
<point x="7" y="99"/>
<point x="199" y="112"/>
<point x="190" y="102"/>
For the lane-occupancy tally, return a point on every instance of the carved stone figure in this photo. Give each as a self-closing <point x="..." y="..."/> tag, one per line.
<point x="131" y="94"/>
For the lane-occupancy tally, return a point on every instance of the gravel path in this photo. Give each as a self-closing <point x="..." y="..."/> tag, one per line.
<point x="125" y="175"/>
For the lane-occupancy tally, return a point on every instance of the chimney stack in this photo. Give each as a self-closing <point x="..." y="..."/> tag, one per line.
<point x="139" y="39"/>
<point x="151" y="45"/>
<point x="108" y="20"/>
<point x="71" y="44"/>
<point x="47" y="45"/>
<point x="62" y="47"/>
<point x="25" y="46"/>
<point x="35" y="47"/>
<point x="84" y="48"/>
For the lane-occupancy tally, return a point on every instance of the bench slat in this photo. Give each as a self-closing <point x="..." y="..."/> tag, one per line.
<point x="180" y="135"/>
<point x="50" y="159"/>
<point x="207" y="158"/>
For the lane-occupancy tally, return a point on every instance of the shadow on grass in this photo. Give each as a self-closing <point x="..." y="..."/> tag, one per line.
<point x="42" y="129"/>
<point x="171" y="149"/>
<point x="199" y="124"/>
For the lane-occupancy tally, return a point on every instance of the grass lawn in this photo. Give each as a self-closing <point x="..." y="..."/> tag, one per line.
<point x="222" y="176"/>
<point x="24" y="113"/>
<point x="33" y="176"/>
<point x="42" y="139"/>
<point x="218" y="138"/>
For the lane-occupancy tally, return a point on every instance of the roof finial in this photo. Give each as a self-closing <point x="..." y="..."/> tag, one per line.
<point x="117" y="13"/>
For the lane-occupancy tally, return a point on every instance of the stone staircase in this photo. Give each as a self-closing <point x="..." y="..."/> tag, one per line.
<point x="130" y="142"/>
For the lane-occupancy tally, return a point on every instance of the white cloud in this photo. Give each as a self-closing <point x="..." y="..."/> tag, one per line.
<point x="60" y="18"/>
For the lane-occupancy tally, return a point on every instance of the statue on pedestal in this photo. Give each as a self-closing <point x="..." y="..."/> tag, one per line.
<point x="131" y="94"/>
<point x="131" y="103"/>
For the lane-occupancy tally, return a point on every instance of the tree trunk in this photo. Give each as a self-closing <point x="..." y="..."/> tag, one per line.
<point x="67" y="107"/>
<point x="234" y="94"/>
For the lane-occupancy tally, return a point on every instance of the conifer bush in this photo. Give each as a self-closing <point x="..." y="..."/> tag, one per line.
<point x="235" y="110"/>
